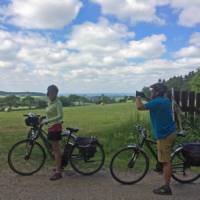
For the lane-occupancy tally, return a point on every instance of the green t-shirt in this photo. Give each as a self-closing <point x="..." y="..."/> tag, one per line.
<point x="54" y="112"/>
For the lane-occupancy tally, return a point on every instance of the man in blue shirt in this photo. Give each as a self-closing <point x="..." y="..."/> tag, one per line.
<point x="164" y="129"/>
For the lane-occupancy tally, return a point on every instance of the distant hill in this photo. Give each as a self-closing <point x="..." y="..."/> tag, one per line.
<point x="2" y="93"/>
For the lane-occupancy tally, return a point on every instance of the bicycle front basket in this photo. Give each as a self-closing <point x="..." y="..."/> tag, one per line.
<point x="32" y="121"/>
<point x="191" y="151"/>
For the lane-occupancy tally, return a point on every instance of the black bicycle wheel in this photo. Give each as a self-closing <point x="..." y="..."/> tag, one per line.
<point x="182" y="171"/>
<point x="84" y="164"/>
<point x="129" y="165"/>
<point x="26" y="157"/>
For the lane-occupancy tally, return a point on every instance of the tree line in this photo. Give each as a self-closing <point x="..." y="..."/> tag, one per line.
<point x="16" y="102"/>
<point x="188" y="82"/>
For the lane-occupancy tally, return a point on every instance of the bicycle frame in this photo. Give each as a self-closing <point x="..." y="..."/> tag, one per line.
<point x="42" y="134"/>
<point x="145" y="141"/>
<point x="39" y="133"/>
<point x="46" y="143"/>
<point x="149" y="143"/>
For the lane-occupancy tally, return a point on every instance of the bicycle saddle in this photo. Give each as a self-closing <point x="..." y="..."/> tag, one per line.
<point x="181" y="133"/>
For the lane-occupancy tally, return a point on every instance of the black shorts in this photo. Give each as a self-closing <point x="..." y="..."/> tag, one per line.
<point x="54" y="136"/>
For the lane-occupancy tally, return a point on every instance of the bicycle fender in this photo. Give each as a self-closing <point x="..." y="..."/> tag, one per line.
<point x="177" y="149"/>
<point x="133" y="146"/>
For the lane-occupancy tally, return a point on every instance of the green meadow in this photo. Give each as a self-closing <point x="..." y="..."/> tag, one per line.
<point x="113" y="124"/>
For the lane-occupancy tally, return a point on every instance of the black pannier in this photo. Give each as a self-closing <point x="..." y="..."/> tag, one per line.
<point x="87" y="146"/>
<point x="191" y="151"/>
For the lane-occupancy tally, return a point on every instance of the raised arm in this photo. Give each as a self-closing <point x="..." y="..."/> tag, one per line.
<point x="139" y="104"/>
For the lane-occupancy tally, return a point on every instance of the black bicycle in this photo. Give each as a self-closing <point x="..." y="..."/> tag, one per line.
<point x="26" y="157"/>
<point x="130" y="164"/>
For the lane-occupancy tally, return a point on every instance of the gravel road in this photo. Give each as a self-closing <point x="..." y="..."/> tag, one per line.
<point x="100" y="186"/>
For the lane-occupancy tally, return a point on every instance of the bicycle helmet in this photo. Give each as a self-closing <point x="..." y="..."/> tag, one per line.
<point x="160" y="88"/>
<point x="52" y="88"/>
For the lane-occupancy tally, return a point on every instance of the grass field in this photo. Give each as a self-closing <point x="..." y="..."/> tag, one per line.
<point x="113" y="124"/>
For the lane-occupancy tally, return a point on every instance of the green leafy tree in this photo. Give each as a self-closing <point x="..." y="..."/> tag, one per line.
<point x="28" y="101"/>
<point x="77" y="99"/>
<point x="106" y="99"/>
<point x="194" y="83"/>
<point x="41" y="103"/>
<point x="11" y="101"/>
<point x="65" y="101"/>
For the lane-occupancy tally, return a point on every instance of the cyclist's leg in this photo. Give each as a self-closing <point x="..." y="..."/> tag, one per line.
<point x="57" y="154"/>
<point x="164" y="151"/>
<point x="55" y="137"/>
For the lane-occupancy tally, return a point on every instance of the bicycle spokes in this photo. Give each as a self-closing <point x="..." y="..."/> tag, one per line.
<point x="86" y="162"/>
<point x="26" y="158"/>
<point x="129" y="165"/>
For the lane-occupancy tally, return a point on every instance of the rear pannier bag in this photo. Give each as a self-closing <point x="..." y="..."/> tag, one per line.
<point x="191" y="151"/>
<point x="87" y="146"/>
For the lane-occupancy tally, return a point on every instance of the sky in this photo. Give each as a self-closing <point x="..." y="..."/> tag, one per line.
<point x="96" y="46"/>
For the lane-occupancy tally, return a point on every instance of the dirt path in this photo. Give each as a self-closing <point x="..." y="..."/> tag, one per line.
<point x="97" y="187"/>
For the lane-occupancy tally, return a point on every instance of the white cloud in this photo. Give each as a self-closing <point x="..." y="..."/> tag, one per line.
<point x="104" y="44"/>
<point x="94" y="57"/>
<point x="145" y="11"/>
<point x="149" y="47"/>
<point x="101" y="36"/>
<point x="192" y="50"/>
<point x="133" y="10"/>
<point x="189" y="12"/>
<point x="195" y="39"/>
<point x="45" y="14"/>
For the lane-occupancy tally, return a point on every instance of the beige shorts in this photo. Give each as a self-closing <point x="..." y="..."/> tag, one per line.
<point x="164" y="148"/>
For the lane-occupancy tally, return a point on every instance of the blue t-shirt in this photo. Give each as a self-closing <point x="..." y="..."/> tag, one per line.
<point x="161" y="117"/>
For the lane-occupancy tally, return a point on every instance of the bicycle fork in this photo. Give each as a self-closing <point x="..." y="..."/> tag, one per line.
<point x="134" y="156"/>
<point x="29" y="148"/>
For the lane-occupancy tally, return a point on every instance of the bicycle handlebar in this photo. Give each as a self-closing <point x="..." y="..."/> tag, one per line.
<point x="31" y="115"/>
<point x="141" y="130"/>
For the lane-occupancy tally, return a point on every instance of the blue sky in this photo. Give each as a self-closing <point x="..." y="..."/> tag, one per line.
<point x="96" y="46"/>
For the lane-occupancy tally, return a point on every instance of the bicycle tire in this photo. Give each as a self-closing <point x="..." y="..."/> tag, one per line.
<point x="21" y="165"/>
<point x="130" y="152"/>
<point x="76" y="158"/>
<point x="181" y="171"/>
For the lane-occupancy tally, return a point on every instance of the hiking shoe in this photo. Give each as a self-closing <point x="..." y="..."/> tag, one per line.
<point x="163" y="190"/>
<point x="55" y="176"/>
